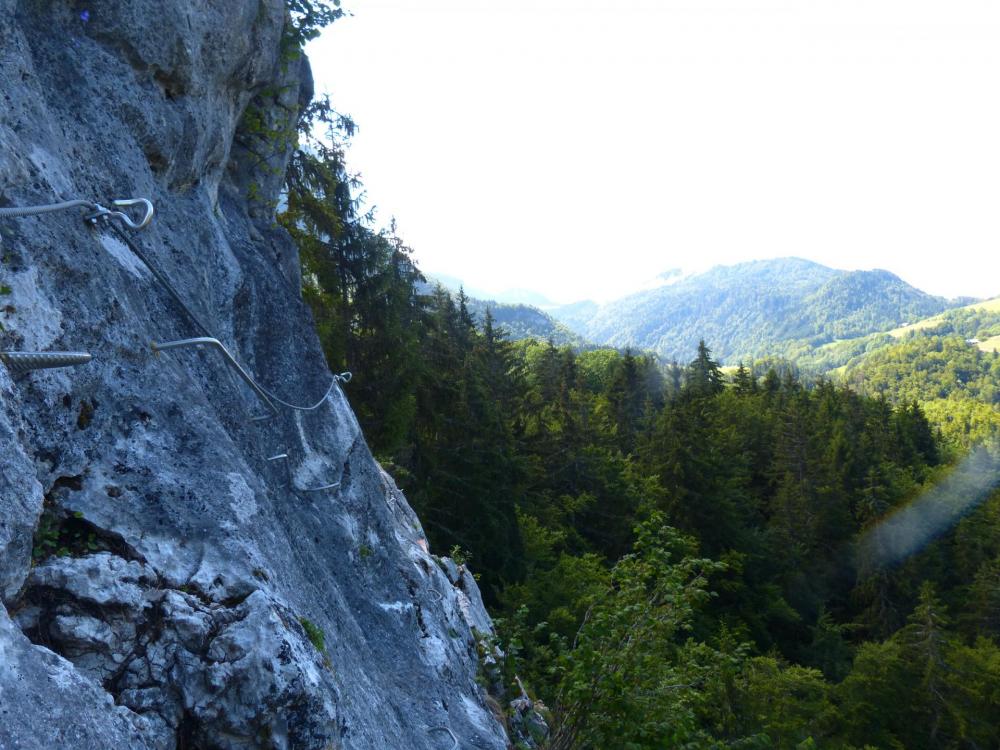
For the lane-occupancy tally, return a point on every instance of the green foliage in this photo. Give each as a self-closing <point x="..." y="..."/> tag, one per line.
<point x="957" y="384"/>
<point x="309" y="17"/>
<point x="624" y="682"/>
<point x="780" y="705"/>
<point x="361" y="285"/>
<point x="273" y="120"/>
<point x="47" y="539"/>
<point x="923" y="688"/>
<point x="459" y="555"/>
<point x="63" y="536"/>
<point x="930" y="367"/>
<point x="315" y="634"/>
<point x="703" y="377"/>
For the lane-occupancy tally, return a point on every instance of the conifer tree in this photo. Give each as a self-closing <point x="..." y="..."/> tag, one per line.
<point x="703" y="377"/>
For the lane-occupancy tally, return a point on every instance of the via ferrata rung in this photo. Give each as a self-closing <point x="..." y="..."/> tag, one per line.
<point x="19" y="363"/>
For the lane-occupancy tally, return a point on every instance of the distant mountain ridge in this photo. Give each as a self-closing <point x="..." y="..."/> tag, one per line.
<point x="526" y="321"/>
<point x="519" y="320"/>
<point x="755" y="309"/>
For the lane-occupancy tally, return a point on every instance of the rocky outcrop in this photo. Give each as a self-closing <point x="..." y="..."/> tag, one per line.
<point x="164" y="584"/>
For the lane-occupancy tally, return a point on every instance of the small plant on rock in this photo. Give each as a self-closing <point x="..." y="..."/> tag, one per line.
<point x="315" y="634"/>
<point x="62" y="537"/>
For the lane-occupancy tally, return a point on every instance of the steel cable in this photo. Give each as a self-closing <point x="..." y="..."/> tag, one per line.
<point x="103" y="214"/>
<point x="47" y="208"/>
<point x="212" y="341"/>
<point x="100" y="212"/>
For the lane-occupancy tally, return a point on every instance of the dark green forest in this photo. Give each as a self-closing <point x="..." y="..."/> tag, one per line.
<point x="676" y="557"/>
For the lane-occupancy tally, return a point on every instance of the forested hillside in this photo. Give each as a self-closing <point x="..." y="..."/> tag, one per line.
<point x="947" y="363"/>
<point x="977" y="323"/>
<point x="680" y="558"/>
<point x="957" y="383"/>
<point x="752" y="310"/>
<point x="521" y="319"/>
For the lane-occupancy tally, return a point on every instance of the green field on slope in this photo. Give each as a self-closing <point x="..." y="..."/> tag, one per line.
<point x="990" y="305"/>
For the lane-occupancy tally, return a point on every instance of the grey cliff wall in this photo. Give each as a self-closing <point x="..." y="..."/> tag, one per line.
<point x="190" y="573"/>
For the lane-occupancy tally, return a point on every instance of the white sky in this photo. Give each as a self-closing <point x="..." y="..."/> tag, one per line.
<point x="580" y="148"/>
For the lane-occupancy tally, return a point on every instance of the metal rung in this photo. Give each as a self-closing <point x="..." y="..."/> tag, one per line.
<point x="228" y="358"/>
<point x="291" y="483"/>
<point x="22" y="362"/>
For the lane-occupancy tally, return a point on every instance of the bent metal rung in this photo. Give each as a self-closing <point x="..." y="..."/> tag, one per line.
<point x="291" y="483"/>
<point x="267" y="397"/>
<point x="229" y="359"/>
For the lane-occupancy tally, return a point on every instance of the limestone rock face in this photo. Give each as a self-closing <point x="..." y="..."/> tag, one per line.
<point x="163" y="583"/>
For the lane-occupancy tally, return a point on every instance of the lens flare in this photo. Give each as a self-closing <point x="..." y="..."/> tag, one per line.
<point x="908" y="530"/>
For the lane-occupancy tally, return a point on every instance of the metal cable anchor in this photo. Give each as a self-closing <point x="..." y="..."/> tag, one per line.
<point x="102" y="213"/>
<point x="19" y="363"/>
<point x="99" y="211"/>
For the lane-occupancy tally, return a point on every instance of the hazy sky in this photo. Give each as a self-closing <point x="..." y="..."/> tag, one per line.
<point x="581" y="148"/>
